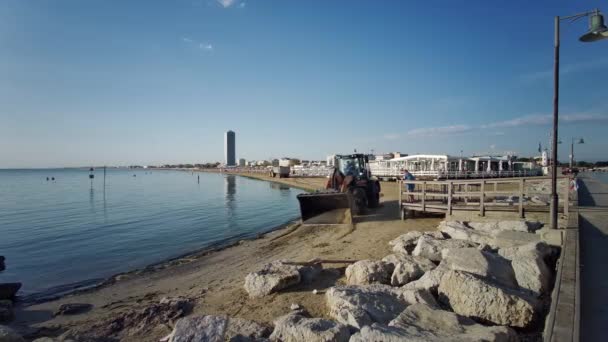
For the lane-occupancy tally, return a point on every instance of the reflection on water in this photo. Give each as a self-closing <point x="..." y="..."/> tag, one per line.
<point x="278" y="186"/>
<point x="230" y="185"/>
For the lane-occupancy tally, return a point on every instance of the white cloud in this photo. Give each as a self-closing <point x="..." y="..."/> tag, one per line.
<point x="521" y="121"/>
<point x="187" y="40"/>
<point x="444" y="130"/>
<point x="226" y="3"/>
<point x="530" y="120"/>
<point x="205" y="46"/>
<point x="566" y="69"/>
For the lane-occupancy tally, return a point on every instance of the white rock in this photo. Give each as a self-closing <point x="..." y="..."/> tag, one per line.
<point x="511" y="238"/>
<point x="199" y="328"/>
<point x="436" y="234"/>
<point x="271" y="278"/>
<point x="485" y="264"/>
<point x="530" y="267"/>
<point x="407" y="267"/>
<point x="294" y="306"/>
<point x="405" y="243"/>
<point x="369" y="272"/>
<point x="423" y="323"/>
<point x="459" y="230"/>
<point x="418" y="296"/>
<point x="430" y="280"/>
<point x="476" y="297"/>
<point x="405" y="272"/>
<point x="216" y="328"/>
<point x="431" y="248"/>
<point x="516" y="225"/>
<point x="358" y="306"/>
<point x="294" y="328"/>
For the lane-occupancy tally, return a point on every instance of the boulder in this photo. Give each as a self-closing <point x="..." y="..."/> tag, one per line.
<point x="420" y="322"/>
<point x="539" y="247"/>
<point x="435" y="234"/>
<point x="271" y="278"/>
<point x="405" y="243"/>
<point x="9" y="335"/>
<point x="295" y="327"/>
<point x="6" y="310"/>
<point x="407" y="267"/>
<point x="9" y="290"/>
<point x="516" y="225"/>
<point x="484" y="264"/>
<point x="530" y="266"/>
<point x="405" y="272"/>
<point x="357" y="306"/>
<point x="216" y="328"/>
<point x="431" y="248"/>
<point x="511" y="238"/>
<point x="199" y="328"/>
<point x="429" y="281"/>
<point x="418" y="296"/>
<point x="365" y="272"/>
<point x="478" y="298"/>
<point x="459" y="230"/>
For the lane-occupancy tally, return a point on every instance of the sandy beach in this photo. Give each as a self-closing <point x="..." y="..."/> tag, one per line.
<point x="213" y="281"/>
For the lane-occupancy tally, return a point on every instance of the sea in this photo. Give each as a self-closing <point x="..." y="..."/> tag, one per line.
<point x="61" y="230"/>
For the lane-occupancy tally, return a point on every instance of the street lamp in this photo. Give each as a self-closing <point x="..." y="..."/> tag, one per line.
<point x="579" y="141"/>
<point x="597" y="31"/>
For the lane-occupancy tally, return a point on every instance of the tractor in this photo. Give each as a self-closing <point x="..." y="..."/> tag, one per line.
<point x="350" y="188"/>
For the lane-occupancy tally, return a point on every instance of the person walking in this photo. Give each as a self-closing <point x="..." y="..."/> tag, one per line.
<point x="410" y="187"/>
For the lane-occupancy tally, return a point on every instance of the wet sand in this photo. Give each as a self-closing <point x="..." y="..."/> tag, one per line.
<point x="214" y="281"/>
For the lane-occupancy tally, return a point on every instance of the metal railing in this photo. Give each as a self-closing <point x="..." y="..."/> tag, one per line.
<point x="442" y="174"/>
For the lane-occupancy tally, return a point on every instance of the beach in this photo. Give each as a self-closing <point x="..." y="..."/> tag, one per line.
<point x="213" y="280"/>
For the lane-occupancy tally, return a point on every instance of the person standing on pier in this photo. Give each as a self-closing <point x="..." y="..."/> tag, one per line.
<point x="410" y="187"/>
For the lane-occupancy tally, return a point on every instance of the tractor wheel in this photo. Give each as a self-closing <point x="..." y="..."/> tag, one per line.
<point x="359" y="201"/>
<point x="374" y="200"/>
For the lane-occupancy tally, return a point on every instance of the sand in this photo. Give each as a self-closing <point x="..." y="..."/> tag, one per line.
<point x="214" y="281"/>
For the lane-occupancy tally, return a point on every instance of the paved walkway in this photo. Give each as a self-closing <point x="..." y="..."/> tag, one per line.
<point x="593" y="223"/>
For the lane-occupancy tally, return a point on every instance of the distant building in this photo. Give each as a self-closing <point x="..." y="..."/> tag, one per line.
<point x="229" y="149"/>
<point x="242" y="162"/>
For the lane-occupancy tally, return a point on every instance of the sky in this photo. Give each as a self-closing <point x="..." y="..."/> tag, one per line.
<point x="151" y="82"/>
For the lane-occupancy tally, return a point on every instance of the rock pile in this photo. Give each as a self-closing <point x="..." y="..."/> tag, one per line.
<point x="468" y="281"/>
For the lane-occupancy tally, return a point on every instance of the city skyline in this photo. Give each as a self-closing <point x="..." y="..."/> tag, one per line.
<point x="160" y="82"/>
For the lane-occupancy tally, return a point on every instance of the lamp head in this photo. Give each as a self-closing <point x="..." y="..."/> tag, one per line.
<point x="597" y="29"/>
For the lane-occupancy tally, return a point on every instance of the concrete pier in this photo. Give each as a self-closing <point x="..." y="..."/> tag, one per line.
<point x="593" y="223"/>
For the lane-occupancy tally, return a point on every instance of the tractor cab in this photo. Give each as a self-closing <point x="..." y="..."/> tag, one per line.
<point x="354" y="165"/>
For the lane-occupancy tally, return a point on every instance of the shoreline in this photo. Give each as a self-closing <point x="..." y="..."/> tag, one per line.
<point x="93" y="284"/>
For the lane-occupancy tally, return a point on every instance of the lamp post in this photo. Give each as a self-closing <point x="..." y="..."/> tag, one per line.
<point x="597" y="31"/>
<point x="580" y="141"/>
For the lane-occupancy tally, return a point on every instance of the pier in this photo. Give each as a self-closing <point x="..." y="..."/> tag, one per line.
<point x="481" y="197"/>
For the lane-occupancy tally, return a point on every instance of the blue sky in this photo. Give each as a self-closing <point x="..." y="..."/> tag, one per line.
<point x="148" y="82"/>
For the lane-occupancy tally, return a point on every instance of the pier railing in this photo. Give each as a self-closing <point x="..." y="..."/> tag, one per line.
<point x="515" y="194"/>
<point x="394" y="172"/>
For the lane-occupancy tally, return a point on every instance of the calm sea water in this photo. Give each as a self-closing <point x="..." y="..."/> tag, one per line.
<point x="602" y="176"/>
<point x="69" y="232"/>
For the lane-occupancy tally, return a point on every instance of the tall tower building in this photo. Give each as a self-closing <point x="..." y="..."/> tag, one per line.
<point x="229" y="149"/>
